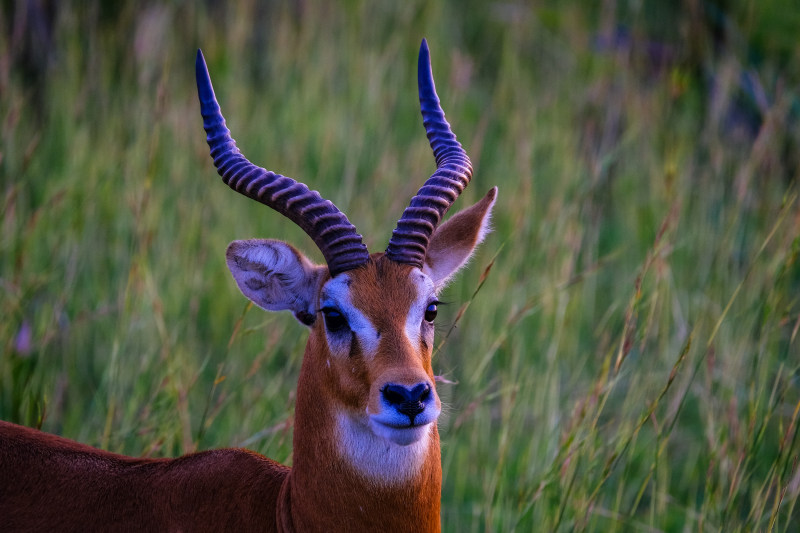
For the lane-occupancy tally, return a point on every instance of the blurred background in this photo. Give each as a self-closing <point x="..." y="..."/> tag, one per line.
<point x="622" y="354"/>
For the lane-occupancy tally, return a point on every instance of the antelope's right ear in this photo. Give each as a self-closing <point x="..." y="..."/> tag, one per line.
<point x="276" y="276"/>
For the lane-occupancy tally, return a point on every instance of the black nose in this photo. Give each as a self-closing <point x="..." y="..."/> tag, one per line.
<point x="410" y="402"/>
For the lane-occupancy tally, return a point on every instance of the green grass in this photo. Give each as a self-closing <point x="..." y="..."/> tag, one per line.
<point x="630" y="362"/>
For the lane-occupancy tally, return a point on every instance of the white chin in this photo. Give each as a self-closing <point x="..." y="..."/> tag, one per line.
<point x="400" y="436"/>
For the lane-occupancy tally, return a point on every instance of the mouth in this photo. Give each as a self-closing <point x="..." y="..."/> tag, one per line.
<point x="402" y="435"/>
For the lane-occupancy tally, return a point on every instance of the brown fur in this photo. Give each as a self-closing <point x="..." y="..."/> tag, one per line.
<point x="51" y="482"/>
<point x="336" y="496"/>
<point x="54" y="484"/>
<point x="48" y="483"/>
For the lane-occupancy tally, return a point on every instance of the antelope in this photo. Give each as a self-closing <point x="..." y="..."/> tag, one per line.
<point x="366" y="452"/>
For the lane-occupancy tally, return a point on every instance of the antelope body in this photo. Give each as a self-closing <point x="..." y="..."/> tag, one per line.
<point x="366" y="450"/>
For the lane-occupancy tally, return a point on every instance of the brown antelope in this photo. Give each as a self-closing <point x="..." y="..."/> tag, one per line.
<point x="366" y="444"/>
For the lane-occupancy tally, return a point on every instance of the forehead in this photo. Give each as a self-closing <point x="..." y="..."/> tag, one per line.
<point x="380" y="288"/>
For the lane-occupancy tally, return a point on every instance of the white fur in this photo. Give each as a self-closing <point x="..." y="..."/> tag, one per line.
<point x="486" y="225"/>
<point x="376" y="458"/>
<point x="336" y="294"/>
<point x="426" y="292"/>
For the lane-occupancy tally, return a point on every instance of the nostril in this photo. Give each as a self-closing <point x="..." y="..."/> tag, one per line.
<point x="425" y="394"/>
<point x="420" y="393"/>
<point x="394" y="394"/>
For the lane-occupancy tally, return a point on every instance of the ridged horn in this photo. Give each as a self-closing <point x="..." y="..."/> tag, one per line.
<point x="334" y="235"/>
<point x="409" y="242"/>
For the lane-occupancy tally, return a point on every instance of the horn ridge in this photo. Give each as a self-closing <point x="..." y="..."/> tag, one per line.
<point x="337" y="239"/>
<point x="412" y="235"/>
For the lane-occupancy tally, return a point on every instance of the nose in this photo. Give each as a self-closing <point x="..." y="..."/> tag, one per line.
<point x="408" y="401"/>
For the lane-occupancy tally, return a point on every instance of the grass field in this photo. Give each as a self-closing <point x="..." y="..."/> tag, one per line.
<point x="623" y="351"/>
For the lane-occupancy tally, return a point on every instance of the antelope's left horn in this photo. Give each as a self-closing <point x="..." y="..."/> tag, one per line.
<point x="334" y="235"/>
<point x="409" y="242"/>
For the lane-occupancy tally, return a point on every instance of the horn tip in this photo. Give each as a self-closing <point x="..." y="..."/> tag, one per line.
<point x="204" y="88"/>
<point x="424" y="52"/>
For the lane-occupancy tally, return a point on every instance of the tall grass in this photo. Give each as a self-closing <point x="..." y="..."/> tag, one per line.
<point x="623" y="351"/>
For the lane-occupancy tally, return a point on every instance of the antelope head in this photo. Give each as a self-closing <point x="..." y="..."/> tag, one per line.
<point x="366" y="396"/>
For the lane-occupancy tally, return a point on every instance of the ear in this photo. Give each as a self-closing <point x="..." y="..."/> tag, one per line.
<point x="453" y="243"/>
<point x="276" y="276"/>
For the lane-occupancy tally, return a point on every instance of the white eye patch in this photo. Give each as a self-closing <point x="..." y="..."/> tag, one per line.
<point x="336" y="295"/>
<point x="425" y="293"/>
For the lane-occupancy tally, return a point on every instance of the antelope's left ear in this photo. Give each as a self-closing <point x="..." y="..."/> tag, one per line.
<point x="453" y="243"/>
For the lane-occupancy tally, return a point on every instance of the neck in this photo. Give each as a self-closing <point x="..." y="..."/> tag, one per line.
<point x="346" y="478"/>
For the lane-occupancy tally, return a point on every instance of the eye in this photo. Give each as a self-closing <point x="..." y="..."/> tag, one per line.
<point x="334" y="320"/>
<point x="430" y="312"/>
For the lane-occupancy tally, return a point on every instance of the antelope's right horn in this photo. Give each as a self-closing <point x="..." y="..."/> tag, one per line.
<point x="334" y="235"/>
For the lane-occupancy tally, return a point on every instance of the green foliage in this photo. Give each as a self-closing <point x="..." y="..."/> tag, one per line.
<point x="630" y="361"/>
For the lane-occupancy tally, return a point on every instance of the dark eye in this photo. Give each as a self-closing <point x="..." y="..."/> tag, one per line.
<point x="334" y="320"/>
<point x="430" y="312"/>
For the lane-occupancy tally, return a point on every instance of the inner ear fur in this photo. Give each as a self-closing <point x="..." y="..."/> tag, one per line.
<point x="454" y="242"/>
<point x="276" y="276"/>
